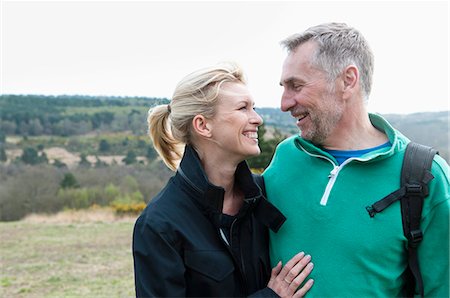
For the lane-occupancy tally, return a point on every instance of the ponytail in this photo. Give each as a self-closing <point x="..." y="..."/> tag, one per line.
<point x="168" y="148"/>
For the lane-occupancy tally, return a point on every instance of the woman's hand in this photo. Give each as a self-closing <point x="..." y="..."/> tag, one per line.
<point x="285" y="280"/>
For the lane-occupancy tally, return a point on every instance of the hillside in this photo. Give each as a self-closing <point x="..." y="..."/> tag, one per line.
<point x="81" y="123"/>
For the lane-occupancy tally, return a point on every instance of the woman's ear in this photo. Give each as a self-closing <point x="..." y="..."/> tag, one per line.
<point x="201" y="126"/>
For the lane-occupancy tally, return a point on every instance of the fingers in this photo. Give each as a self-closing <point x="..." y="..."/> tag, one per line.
<point x="297" y="268"/>
<point x="300" y="278"/>
<point x="303" y="290"/>
<point x="285" y="281"/>
<point x="289" y="265"/>
<point x="276" y="270"/>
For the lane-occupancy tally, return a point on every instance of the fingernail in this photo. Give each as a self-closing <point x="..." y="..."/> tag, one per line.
<point x="301" y="253"/>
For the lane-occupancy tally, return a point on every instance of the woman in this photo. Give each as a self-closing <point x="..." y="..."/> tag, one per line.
<point x="206" y="232"/>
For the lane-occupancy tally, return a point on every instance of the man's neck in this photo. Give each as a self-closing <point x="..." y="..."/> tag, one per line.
<point x="355" y="132"/>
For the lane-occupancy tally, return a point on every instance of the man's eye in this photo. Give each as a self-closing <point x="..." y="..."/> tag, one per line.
<point x="243" y="108"/>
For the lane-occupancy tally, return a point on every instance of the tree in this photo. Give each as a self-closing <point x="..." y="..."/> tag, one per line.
<point x="130" y="158"/>
<point x="267" y="149"/>
<point x="104" y="146"/>
<point x="69" y="181"/>
<point x="100" y="163"/>
<point x="83" y="161"/>
<point x="59" y="164"/>
<point x="3" y="156"/>
<point x="151" y="153"/>
<point x="30" y="156"/>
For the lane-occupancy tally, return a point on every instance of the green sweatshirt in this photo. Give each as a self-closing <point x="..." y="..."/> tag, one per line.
<point x="325" y="205"/>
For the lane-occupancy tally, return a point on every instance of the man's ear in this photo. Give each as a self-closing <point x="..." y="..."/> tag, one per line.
<point x="201" y="126"/>
<point x="350" y="78"/>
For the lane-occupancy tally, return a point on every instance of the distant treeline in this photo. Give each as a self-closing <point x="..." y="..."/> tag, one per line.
<point x="33" y="115"/>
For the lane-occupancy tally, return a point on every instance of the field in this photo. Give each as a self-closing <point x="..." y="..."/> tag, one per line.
<point x="67" y="255"/>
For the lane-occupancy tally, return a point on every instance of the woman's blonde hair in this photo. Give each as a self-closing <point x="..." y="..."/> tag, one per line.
<point x="170" y="126"/>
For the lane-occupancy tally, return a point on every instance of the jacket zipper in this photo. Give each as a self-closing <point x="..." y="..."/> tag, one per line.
<point x="332" y="176"/>
<point x="229" y="247"/>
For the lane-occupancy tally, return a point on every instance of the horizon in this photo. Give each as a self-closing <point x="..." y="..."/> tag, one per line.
<point x="154" y="97"/>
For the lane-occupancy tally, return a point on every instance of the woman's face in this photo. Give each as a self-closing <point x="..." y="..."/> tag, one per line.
<point x="235" y="125"/>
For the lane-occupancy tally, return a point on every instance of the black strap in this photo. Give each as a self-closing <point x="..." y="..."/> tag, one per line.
<point x="415" y="177"/>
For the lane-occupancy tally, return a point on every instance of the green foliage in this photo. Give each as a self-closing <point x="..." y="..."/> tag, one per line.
<point x="72" y="115"/>
<point x="83" y="161"/>
<point x="59" y="164"/>
<point x="267" y="147"/>
<point x="28" y="189"/>
<point x="69" y="181"/>
<point x="3" y="156"/>
<point x="130" y="158"/>
<point x="32" y="157"/>
<point x="151" y="153"/>
<point x="132" y="203"/>
<point x="111" y="192"/>
<point x="104" y="146"/>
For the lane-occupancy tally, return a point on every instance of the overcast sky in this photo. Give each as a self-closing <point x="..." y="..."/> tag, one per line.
<point x="144" y="48"/>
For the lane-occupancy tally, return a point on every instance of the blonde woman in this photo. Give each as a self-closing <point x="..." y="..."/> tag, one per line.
<point x="206" y="233"/>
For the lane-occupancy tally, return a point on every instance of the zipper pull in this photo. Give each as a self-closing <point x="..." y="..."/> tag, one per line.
<point x="333" y="172"/>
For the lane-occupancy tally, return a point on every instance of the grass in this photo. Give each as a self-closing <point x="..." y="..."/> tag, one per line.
<point x="66" y="258"/>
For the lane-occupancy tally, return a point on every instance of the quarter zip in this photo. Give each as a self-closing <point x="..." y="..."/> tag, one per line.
<point x="332" y="176"/>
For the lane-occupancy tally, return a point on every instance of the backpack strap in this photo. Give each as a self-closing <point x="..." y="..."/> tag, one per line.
<point x="415" y="176"/>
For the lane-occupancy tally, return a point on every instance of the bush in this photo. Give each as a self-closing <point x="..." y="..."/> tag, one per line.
<point x="33" y="189"/>
<point x="129" y="203"/>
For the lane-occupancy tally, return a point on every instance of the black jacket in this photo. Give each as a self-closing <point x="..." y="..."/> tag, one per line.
<point x="178" y="246"/>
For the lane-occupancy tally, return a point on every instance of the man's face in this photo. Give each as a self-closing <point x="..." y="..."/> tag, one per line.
<point x="309" y="96"/>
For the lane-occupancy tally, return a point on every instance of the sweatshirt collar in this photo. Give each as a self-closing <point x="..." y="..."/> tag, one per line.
<point x="397" y="140"/>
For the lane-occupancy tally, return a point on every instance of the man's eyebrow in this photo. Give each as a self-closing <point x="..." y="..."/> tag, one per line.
<point x="288" y="81"/>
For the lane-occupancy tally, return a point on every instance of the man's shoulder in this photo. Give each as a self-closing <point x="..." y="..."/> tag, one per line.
<point x="288" y="142"/>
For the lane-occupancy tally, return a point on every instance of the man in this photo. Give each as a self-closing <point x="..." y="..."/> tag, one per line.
<point x="344" y="160"/>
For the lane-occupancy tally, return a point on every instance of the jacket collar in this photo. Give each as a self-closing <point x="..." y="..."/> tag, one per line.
<point x="206" y="193"/>
<point x="210" y="197"/>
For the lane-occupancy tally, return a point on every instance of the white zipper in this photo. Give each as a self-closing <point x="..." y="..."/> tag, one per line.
<point x="333" y="174"/>
<point x="224" y="238"/>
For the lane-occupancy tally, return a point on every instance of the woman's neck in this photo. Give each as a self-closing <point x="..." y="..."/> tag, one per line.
<point x="222" y="173"/>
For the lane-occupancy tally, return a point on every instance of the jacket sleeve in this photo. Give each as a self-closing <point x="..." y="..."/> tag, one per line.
<point x="158" y="267"/>
<point x="434" y="248"/>
<point x="266" y="292"/>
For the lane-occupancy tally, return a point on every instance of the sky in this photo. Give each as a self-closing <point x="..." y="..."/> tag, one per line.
<point x="143" y="48"/>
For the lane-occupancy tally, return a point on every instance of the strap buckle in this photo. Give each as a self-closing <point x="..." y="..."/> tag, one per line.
<point x="415" y="237"/>
<point x="414" y="189"/>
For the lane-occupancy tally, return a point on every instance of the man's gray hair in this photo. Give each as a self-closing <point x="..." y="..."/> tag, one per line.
<point x="338" y="46"/>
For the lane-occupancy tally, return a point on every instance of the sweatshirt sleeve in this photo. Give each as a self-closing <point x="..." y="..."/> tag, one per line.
<point x="158" y="267"/>
<point x="434" y="249"/>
